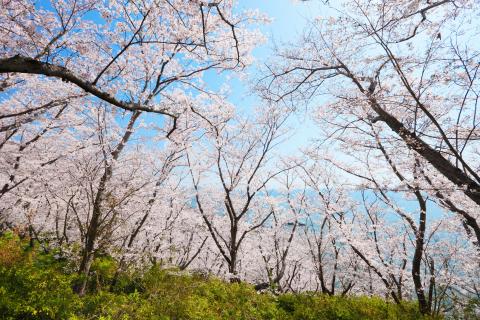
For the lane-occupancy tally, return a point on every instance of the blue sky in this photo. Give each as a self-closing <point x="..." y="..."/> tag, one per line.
<point x="289" y="19"/>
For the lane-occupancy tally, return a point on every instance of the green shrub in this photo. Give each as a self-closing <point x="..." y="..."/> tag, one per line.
<point x="309" y="306"/>
<point x="33" y="287"/>
<point x="181" y="296"/>
<point x="38" y="285"/>
<point x="10" y="250"/>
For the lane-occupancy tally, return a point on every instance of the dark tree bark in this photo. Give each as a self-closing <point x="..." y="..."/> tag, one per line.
<point x="94" y="223"/>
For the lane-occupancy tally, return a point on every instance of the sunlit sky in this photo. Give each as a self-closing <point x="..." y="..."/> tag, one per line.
<point x="289" y="18"/>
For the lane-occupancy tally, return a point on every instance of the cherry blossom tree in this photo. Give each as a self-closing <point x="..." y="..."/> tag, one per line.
<point x="408" y="67"/>
<point x="276" y="240"/>
<point x="126" y="54"/>
<point x="238" y="152"/>
<point x="328" y="207"/>
<point x="135" y="56"/>
<point x="392" y="248"/>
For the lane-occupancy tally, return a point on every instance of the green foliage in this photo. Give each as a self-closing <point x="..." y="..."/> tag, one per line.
<point x="103" y="271"/>
<point x="38" y="285"/>
<point x="34" y="286"/>
<point x="194" y="297"/>
<point x="10" y="250"/>
<point x="308" y="306"/>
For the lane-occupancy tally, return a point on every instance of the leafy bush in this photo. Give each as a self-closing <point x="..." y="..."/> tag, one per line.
<point x="33" y="286"/>
<point x="183" y="296"/>
<point x="38" y="285"/>
<point x="308" y="306"/>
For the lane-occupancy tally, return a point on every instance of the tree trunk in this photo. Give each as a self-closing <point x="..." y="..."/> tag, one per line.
<point x="93" y="226"/>
<point x="417" y="257"/>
